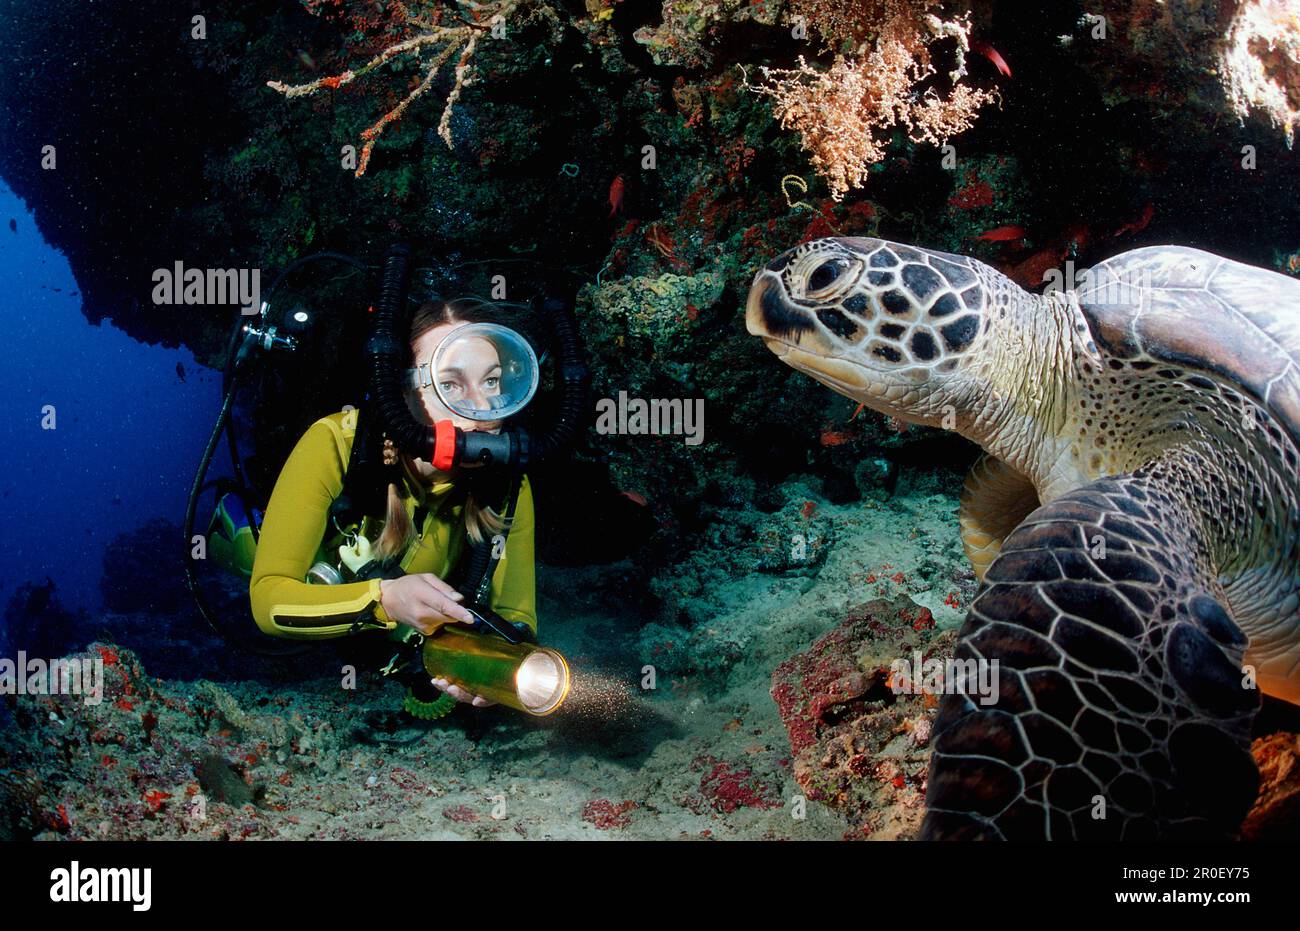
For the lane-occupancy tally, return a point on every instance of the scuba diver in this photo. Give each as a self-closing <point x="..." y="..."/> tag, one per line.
<point x="412" y="516"/>
<point x="429" y="514"/>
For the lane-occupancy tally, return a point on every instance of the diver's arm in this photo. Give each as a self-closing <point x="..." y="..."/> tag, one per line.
<point x="284" y="605"/>
<point x="422" y="601"/>
<point x="514" y="586"/>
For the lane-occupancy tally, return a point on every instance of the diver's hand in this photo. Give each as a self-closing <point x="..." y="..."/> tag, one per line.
<point x="458" y="693"/>
<point x="422" y="601"/>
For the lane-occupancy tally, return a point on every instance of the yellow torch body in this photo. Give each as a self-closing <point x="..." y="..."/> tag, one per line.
<point x="523" y="676"/>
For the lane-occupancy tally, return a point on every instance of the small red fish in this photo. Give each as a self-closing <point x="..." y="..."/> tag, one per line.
<point x="1076" y="238"/>
<point x="1032" y="272"/>
<point x="1141" y="223"/>
<point x="1002" y="234"/>
<point x="992" y="55"/>
<point x="616" y="189"/>
<point x="635" y="498"/>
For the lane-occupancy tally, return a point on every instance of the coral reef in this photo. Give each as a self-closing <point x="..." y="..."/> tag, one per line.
<point x="689" y="34"/>
<point x="726" y="786"/>
<point x="153" y="760"/>
<point x="860" y="738"/>
<point x="1106" y="135"/>
<point x="446" y="39"/>
<point x="606" y="816"/>
<point x="858" y="744"/>
<point x="719" y="747"/>
<point x="158" y="759"/>
<point x="1276" y="815"/>
<point x="1238" y="55"/>
<point x="793" y="542"/>
<point x="1261" y="62"/>
<point x="701" y="754"/>
<point x="647" y="158"/>
<point x="625" y="78"/>
<point x="844" y="113"/>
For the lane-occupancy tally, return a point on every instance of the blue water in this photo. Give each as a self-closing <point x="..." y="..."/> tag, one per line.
<point x="128" y="431"/>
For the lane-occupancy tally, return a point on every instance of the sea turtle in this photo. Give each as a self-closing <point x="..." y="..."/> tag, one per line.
<point x="1134" y="518"/>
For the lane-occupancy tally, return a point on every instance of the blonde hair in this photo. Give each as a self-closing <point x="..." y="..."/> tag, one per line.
<point x="481" y="521"/>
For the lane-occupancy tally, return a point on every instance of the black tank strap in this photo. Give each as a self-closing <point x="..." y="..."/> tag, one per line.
<point x="364" y="488"/>
<point x="484" y="585"/>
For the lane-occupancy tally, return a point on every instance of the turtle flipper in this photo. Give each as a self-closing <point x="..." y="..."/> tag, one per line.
<point x="1121" y="710"/>
<point x="994" y="500"/>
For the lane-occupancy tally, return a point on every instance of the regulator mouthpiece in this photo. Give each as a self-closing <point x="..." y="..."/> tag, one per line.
<point x="481" y="371"/>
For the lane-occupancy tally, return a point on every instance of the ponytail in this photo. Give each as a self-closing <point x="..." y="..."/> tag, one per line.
<point x="481" y="523"/>
<point x="398" y="530"/>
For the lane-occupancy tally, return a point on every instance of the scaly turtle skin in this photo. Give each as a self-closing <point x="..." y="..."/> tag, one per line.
<point x="1134" y="519"/>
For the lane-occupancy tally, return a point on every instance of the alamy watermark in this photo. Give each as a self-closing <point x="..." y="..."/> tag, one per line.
<point x="915" y="676"/>
<point x="181" y="285"/>
<point x="36" y="676"/>
<point x="75" y="883"/>
<point x="1103" y="286"/>
<point x="656" y="417"/>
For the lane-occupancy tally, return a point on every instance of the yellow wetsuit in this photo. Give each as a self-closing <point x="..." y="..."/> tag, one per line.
<point x="285" y="605"/>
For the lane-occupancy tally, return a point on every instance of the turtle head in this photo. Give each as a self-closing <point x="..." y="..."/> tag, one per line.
<point x="886" y="324"/>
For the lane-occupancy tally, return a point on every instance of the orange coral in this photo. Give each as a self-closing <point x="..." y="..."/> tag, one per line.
<point x="839" y="110"/>
<point x="463" y="38"/>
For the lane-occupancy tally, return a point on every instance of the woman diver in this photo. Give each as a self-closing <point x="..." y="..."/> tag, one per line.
<point x="392" y="574"/>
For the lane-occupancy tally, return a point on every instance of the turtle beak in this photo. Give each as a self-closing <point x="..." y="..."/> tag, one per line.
<point x="788" y="331"/>
<point x="769" y="315"/>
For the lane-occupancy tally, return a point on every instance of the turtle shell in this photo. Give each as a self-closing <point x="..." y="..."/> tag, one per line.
<point x="1202" y="311"/>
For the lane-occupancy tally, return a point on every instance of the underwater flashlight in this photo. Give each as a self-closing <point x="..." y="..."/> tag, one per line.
<point x="523" y="676"/>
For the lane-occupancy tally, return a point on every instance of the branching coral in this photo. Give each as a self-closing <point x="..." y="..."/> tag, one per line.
<point x="444" y="41"/>
<point x="843" y="111"/>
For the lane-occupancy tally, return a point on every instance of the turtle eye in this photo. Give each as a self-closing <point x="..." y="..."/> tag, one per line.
<point x="826" y="274"/>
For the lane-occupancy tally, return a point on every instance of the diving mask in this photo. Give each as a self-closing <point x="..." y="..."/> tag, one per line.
<point x="480" y="371"/>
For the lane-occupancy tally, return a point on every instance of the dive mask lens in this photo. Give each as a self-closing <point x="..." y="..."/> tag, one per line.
<point x="481" y="371"/>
